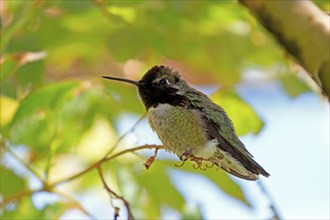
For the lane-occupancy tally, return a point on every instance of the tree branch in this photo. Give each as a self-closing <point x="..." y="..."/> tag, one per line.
<point x="49" y="187"/>
<point x="112" y="193"/>
<point x="91" y="167"/>
<point x="303" y="30"/>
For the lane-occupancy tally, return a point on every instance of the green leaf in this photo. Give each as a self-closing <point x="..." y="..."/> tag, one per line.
<point x="86" y="105"/>
<point x="118" y="44"/>
<point x="35" y="122"/>
<point x="23" y="13"/>
<point x="152" y="186"/>
<point x="293" y="85"/>
<point x="8" y="66"/>
<point x="126" y="97"/>
<point x="218" y="177"/>
<point x="36" y="130"/>
<point x="157" y="183"/>
<point x="11" y="183"/>
<point x="10" y="63"/>
<point x="243" y="116"/>
<point x="25" y="209"/>
<point x="46" y="97"/>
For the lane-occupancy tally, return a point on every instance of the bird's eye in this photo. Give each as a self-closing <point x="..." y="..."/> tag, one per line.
<point x="164" y="82"/>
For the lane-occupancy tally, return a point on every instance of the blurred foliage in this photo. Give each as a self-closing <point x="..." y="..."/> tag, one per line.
<point x="52" y="97"/>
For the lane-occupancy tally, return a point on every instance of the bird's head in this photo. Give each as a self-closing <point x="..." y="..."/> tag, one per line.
<point x="159" y="85"/>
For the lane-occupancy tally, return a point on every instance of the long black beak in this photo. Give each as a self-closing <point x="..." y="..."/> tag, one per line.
<point x="136" y="83"/>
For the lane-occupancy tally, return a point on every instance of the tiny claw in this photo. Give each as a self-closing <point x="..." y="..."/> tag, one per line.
<point x="198" y="161"/>
<point x="180" y="165"/>
<point x="209" y="166"/>
<point x="186" y="155"/>
<point x="196" y="166"/>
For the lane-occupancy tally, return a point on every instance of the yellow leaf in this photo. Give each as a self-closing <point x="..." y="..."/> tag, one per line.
<point x="8" y="107"/>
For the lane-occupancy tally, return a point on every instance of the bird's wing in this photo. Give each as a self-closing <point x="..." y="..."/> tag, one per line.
<point x="220" y="127"/>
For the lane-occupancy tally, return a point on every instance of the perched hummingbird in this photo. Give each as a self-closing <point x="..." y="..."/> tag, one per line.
<point x="188" y="122"/>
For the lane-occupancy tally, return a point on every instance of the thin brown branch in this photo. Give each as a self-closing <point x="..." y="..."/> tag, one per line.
<point x="112" y="193"/>
<point x="106" y="155"/>
<point x="91" y="167"/>
<point x="49" y="187"/>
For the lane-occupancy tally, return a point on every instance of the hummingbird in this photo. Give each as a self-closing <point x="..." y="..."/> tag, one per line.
<point x="188" y="123"/>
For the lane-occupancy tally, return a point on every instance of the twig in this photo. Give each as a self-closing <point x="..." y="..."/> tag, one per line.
<point x="272" y="206"/>
<point x="112" y="193"/>
<point x="91" y="167"/>
<point x="48" y="187"/>
<point x="107" y="154"/>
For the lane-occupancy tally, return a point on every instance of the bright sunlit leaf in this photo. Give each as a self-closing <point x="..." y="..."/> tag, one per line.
<point x="8" y="108"/>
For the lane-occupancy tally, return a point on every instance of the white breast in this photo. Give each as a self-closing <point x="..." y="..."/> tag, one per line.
<point x="208" y="150"/>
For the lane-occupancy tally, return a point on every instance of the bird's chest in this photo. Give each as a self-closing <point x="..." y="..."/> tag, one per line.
<point x="178" y="128"/>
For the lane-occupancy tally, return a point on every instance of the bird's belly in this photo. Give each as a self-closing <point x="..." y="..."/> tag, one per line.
<point x="178" y="128"/>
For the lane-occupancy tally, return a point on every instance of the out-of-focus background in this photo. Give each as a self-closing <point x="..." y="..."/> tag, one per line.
<point x="58" y="116"/>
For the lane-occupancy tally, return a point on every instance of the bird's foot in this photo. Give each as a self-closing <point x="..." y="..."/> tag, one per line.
<point x="184" y="157"/>
<point x="188" y="155"/>
<point x="180" y="165"/>
<point x="212" y="163"/>
<point x="199" y="163"/>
